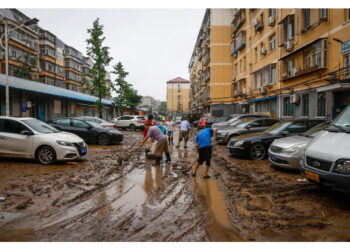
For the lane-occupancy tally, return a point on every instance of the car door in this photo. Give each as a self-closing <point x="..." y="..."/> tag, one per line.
<point x="83" y="130"/>
<point x="121" y="121"/>
<point x="298" y="127"/>
<point x="61" y="124"/>
<point x="11" y="139"/>
<point x="255" y="126"/>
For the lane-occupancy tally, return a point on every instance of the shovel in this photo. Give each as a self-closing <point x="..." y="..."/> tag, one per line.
<point x="121" y="158"/>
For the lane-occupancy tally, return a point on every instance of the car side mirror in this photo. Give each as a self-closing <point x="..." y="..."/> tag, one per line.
<point x="285" y="133"/>
<point x="27" y="132"/>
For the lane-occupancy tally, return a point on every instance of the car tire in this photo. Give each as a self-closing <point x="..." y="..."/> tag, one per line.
<point x="257" y="151"/>
<point x="103" y="139"/>
<point x="45" y="155"/>
<point x="132" y="127"/>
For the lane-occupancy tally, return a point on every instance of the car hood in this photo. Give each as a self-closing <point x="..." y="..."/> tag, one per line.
<point x="219" y="124"/>
<point x="329" y="146"/>
<point x="230" y="130"/>
<point x="63" y="136"/>
<point x="290" y="141"/>
<point x="254" y="136"/>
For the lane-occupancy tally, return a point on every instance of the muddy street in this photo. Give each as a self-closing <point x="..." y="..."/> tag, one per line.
<point x="96" y="199"/>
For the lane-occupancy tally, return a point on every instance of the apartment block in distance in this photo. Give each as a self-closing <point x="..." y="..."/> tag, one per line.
<point x="178" y="93"/>
<point x="291" y="63"/>
<point x="210" y="66"/>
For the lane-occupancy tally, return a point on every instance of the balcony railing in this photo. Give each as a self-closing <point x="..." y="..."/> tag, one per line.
<point x="206" y="57"/>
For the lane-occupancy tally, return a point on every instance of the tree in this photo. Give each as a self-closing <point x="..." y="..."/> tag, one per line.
<point x="162" y="108"/>
<point x="120" y="87"/>
<point x="100" y="55"/>
<point x="132" y="98"/>
<point x="25" y="69"/>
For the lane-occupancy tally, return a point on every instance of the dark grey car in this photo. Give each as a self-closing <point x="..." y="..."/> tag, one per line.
<point x="252" y="125"/>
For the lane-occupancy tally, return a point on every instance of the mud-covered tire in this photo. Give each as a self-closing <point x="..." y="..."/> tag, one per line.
<point x="45" y="155"/>
<point x="257" y="151"/>
<point x="132" y="127"/>
<point x="103" y="139"/>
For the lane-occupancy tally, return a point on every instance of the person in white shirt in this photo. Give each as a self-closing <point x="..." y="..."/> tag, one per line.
<point x="169" y="124"/>
<point x="184" y="132"/>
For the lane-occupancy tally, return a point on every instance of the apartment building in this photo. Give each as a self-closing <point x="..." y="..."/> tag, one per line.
<point x="210" y="66"/>
<point x="178" y="94"/>
<point x="287" y="63"/>
<point x="23" y="45"/>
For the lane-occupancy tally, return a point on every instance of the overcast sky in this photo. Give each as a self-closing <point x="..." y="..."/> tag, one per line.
<point x="154" y="45"/>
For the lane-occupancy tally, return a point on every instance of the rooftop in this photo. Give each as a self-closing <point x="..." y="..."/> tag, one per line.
<point x="178" y="80"/>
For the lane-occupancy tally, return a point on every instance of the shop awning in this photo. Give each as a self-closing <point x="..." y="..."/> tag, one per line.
<point x="38" y="87"/>
<point x="262" y="99"/>
<point x="334" y="87"/>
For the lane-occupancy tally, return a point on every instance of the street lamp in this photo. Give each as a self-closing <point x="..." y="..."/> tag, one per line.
<point x="6" y="34"/>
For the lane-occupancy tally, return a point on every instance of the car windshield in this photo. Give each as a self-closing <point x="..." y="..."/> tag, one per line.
<point x="92" y="124"/>
<point x="278" y="127"/>
<point x="40" y="126"/>
<point x="343" y="119"/>
<point x="315" y="130"/>
<point x="237" y="122"/>
<point x="245" y="123"/>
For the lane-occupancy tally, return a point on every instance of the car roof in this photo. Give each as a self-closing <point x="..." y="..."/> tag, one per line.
<point x="17" y="118"/>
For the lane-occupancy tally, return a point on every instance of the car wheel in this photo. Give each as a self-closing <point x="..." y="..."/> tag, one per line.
<point x="103" y="139"/>
<point x="132" y="127"/>
<point x="45" y="155"/>
<point x="257" y="151"/>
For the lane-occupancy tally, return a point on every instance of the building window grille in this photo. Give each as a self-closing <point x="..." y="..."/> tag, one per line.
<point x="306" y="16"/>
<point x="305" y="105"/>
<point x="321" y="104"/>
<point x="288" y="108"/>
<point x="272" y="42"/>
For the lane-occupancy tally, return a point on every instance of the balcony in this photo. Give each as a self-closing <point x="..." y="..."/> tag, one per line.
<point x="206" y="75"/>
<point x="238" y="43"/>
<point x="206" y="57"/>
<point x="237" y="23"/>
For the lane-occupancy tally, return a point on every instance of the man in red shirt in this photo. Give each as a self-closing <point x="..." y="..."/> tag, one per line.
<point x="150" y="122"/>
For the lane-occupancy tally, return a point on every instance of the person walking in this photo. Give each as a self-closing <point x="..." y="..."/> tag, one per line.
<point x="162" y="143"/>
<point x="184" y="132"/>
<point x="170" y="130"/>
<point x="204" y="149"/>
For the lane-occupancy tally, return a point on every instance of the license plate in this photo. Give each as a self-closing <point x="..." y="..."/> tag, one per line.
<point x="272" y="157"/>
<point x="83" y="150"/>
<point x="312" y="176"/>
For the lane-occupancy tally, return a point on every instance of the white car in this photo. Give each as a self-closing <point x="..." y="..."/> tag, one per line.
<point x="98" y="121"/>
<point x="34" y="139"/>
<point x="131" y="122"/>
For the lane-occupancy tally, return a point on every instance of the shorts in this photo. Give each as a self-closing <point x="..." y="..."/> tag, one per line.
<point x="183" y="135"/>
<point x="161" y="147"/>
<point x="204" y="155"/>
<point x="170" y="133"/>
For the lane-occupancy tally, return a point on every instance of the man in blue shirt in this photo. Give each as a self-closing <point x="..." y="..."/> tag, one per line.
<point x="204" y="149"/>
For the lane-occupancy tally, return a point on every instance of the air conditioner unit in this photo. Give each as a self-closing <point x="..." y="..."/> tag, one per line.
<point x="271" y="20"/>
<point x="243" y="91"/>
<point x="263" y="51"/>
<point x="294" y="98"/>
<point x="255" y="22"/>
<point x="234" y="78"/>
<point x="288" y="45"/>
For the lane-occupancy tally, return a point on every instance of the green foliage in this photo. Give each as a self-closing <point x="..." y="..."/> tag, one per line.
<point x="120" y="86"/>
<point x="162" y="108"/>
<point x="100" y="55"/>
<point x="25" y="69"/>
<point x="132" y="98"/>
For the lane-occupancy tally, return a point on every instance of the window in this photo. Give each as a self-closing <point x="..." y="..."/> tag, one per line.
<point x="307" y="60"/>
<point x="321" y="104"/>
<point x="269" y="122"/>
<point x="323" y="14"/>
<point x="57" y="109"/>
<point x="79" y="124"/>
<point x="256" y="54"/>
<point x="306" y="17"/>
<point x="272" y="42"/>
<point x="297" y="127"/>
<point x="290" y="65"/>
<point x="288" y="108"/>
<point x="289" y="29"/>
<point x="305" y="105"/>
<point x="63" y="122"/>
<point x="347" y="14"/>
<point x="244" y="64"/>
<point x="10" y="126"/>
<point x="272" y="12"/>
<point x="347" y="66"/>
<point x="272" y="78"/>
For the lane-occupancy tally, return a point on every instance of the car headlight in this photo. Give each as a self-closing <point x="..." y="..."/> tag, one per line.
<point x="238" y="144"/>
<point x="342" y="166"/>
<point x="292" y="150"/>
<point x="65" y="143"/>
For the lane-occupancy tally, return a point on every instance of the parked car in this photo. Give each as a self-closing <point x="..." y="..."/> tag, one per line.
<point x="248" y="126"/>
<point x="287" y="152"/>
<point x="327" y="157"/>
<point x="132" y="122"/>
<point x="33" y="139"/>
<point x="236" y="117"/>
<point x="91" y="132"/>
<point x="206" y="122"/>
<point x="255" y="145"/>
<point x="98" y="121"/>
<point x="195" y="123"/>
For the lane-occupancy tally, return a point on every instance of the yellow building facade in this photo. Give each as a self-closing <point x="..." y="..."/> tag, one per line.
<point x="178" y="94"/>
<point x="288" y="63"/>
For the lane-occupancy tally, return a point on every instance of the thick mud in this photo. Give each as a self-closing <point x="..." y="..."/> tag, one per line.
<point x="96" y="199"/>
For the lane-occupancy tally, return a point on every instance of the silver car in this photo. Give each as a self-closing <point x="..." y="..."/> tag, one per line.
<point x="234" y="118"/>
<point x="131" y="122"/>
<point x="288" y="151"/>
<point x="247" y="126"/>
<point x="98" y="121"/>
